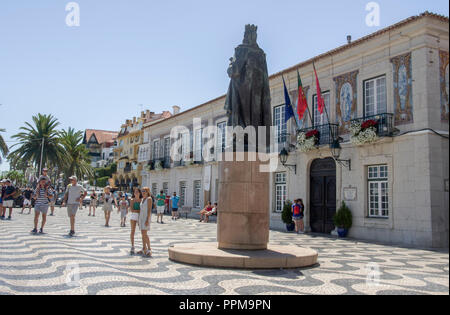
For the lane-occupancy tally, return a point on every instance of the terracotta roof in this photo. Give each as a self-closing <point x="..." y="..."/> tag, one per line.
<point x="411" y="19"/>
<point x="102" y="136"/>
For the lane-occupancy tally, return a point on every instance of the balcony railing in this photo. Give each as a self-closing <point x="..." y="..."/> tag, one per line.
<point x="327" y="133"/>
<point x="127" y="169"/>
<point x="385" y="127"/>
<point x="165" y="163"/>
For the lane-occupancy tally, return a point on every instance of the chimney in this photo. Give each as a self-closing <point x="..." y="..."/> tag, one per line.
<point x="349" y="39"/>
<point x="176" y="110"/>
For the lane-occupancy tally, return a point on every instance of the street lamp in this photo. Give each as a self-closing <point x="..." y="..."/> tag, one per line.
<point x="336" y="153"/>
<point x="283" y="156"/>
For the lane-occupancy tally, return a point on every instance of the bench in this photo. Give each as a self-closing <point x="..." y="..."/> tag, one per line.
<point x="185" y="210"/>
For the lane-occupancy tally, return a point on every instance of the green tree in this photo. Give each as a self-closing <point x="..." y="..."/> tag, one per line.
<point x="76" y="160"/>
<point x="31" y="139"/>
<point x="3" y="147"/>
<point x="17" y="177"/>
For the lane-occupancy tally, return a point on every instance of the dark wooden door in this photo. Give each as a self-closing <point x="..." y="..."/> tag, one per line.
<point x="322" y="195"/>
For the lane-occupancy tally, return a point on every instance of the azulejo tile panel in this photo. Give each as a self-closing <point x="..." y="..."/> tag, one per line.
<point x="346" y="99"/>
<point x="444" y="84"/>
<point x="403" y="101"/>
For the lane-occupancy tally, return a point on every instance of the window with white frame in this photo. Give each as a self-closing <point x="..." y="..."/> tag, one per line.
<point x="185" y="146"/>
<point x="156" y="149"/>
<point x="167" y="147"/>
<point x="154" y="189"/>
<point x="221" y="134"/>
<point x="166" y="188"/>
<point x="279" y="123"/>
<point x="378" y="191"/>
<point x="375" y="100"/>
<point x="182" y="194"/>
<point x="321" y="119"/>
<point x="280" y="191"/>
<point x="198" y="145"/>
<point x="197" y="193"/>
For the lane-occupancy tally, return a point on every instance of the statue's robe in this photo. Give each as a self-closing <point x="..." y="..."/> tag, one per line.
<point x="248" y="99"/>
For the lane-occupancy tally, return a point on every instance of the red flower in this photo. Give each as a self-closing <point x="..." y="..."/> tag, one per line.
<point x="312" y="133"/>
<point x="368" y="124"/>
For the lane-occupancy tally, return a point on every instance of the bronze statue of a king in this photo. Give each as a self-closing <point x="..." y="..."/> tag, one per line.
<point x="248" y="98"/>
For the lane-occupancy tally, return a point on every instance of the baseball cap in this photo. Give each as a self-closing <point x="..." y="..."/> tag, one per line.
<point x="73" y="177"/>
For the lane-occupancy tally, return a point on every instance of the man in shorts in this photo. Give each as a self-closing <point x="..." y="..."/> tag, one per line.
<point x="160" y="206"/>
<point x="175" y="199"/>
<point x="8" y="198"/>
<point x="27" y="194"/>
<point x="74" y="193"/>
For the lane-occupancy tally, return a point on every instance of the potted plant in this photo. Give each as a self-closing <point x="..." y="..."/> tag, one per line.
<point x="286" y="216"/>
<point x="343" y="220"/>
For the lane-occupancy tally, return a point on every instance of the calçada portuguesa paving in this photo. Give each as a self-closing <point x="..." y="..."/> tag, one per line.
<point x="43" y="264"/>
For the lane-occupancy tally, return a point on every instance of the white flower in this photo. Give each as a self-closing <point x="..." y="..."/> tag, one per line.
<point x="305" y="145"/>
<point x="360" y="137"/>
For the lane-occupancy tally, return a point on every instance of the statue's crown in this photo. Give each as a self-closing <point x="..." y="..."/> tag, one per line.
<point x="250" y="34"/>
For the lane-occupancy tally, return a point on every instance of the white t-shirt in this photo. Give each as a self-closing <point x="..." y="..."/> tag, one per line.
<point x="74" y="194"/>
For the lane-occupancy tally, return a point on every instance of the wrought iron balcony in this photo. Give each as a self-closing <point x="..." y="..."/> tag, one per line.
<point x="385" y="123"/>
<point x="327" y="133"/>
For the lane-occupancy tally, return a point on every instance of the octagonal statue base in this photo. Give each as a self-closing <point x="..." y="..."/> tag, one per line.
<point x="209" y="255"/>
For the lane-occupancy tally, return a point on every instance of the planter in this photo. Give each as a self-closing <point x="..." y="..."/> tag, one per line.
<point x="290" y="227"/>
<point x="342" y="232"/>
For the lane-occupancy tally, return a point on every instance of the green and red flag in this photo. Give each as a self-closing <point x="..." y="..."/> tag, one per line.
<point x="302" y="104"/>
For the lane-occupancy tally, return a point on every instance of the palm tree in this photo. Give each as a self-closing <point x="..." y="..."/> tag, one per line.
<point x="3" y="147"/>
<point x="32" y="139"/>
<point x="76" y="160"/>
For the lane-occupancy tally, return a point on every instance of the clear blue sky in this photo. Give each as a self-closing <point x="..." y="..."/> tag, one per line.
<point x="157" y="53"/>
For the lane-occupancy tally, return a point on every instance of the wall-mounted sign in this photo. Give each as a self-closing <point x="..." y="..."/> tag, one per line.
<point x="350" y="193"/>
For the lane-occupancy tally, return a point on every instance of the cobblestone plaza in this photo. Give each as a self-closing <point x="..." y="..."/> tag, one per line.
<point x="51" y="263"/>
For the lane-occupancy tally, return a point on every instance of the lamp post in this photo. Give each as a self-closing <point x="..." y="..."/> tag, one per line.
<point x="283" y="156"/>
<point x="336" y="153"/>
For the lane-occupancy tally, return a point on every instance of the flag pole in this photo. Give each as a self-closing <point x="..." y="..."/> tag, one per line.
<point x="307" y="105"/>
<point x="324" y="105"/>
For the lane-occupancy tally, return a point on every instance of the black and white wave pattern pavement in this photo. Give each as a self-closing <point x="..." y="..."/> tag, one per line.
<point x="97" y="261"/>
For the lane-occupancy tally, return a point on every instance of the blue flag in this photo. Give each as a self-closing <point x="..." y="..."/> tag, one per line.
<point x="288" y="112"/>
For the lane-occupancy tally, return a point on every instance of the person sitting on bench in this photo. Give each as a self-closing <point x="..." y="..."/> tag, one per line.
<point x="212" y="212"/>
<point x="208" y="208"/>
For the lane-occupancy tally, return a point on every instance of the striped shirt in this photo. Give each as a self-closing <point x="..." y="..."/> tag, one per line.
<point x="41" y="199"/>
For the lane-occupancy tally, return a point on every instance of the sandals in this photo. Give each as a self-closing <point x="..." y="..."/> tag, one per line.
<point x="148" y="253"/>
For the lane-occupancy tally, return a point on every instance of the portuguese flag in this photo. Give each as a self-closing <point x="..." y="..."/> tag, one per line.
<point x="302" y="104"/>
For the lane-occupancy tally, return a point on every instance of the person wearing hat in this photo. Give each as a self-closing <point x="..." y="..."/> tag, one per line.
<point x="8" y="198"/>
<point x="45" y="176"/>
<point x="74" y="193"/>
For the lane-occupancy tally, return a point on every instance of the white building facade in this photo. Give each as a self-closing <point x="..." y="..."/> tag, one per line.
<point x="396" y="186"/>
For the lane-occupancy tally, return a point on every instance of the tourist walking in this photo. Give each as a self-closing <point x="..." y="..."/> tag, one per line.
<point x="123" y="210"/>
<point x="74" y="193"/>
<point x="52" y="200"/>
<point x="160" y="202"/>
<point x="27" y="195"/>
<point x="135" y="206"/>
<point x="41" y="198"/>
<point x="108" y="200"/>
<point x="297" y="215"/>
<point x="175" y="199"/>
<point x="144" y="221"/>
<point x="93" y="203"/>
<point x="8" y="199"/>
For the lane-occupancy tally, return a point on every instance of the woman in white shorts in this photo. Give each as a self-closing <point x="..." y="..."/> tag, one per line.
<point x="108" y="199"/>
<point x="93" y="203"/>
<point x="135" y="206"/>
<point x="123" y="210"/>
<point x="144" y="221"/>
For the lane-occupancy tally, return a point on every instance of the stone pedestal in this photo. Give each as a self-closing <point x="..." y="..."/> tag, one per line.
<point x="243" y="218"/>
<point x="243" y="225"/>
